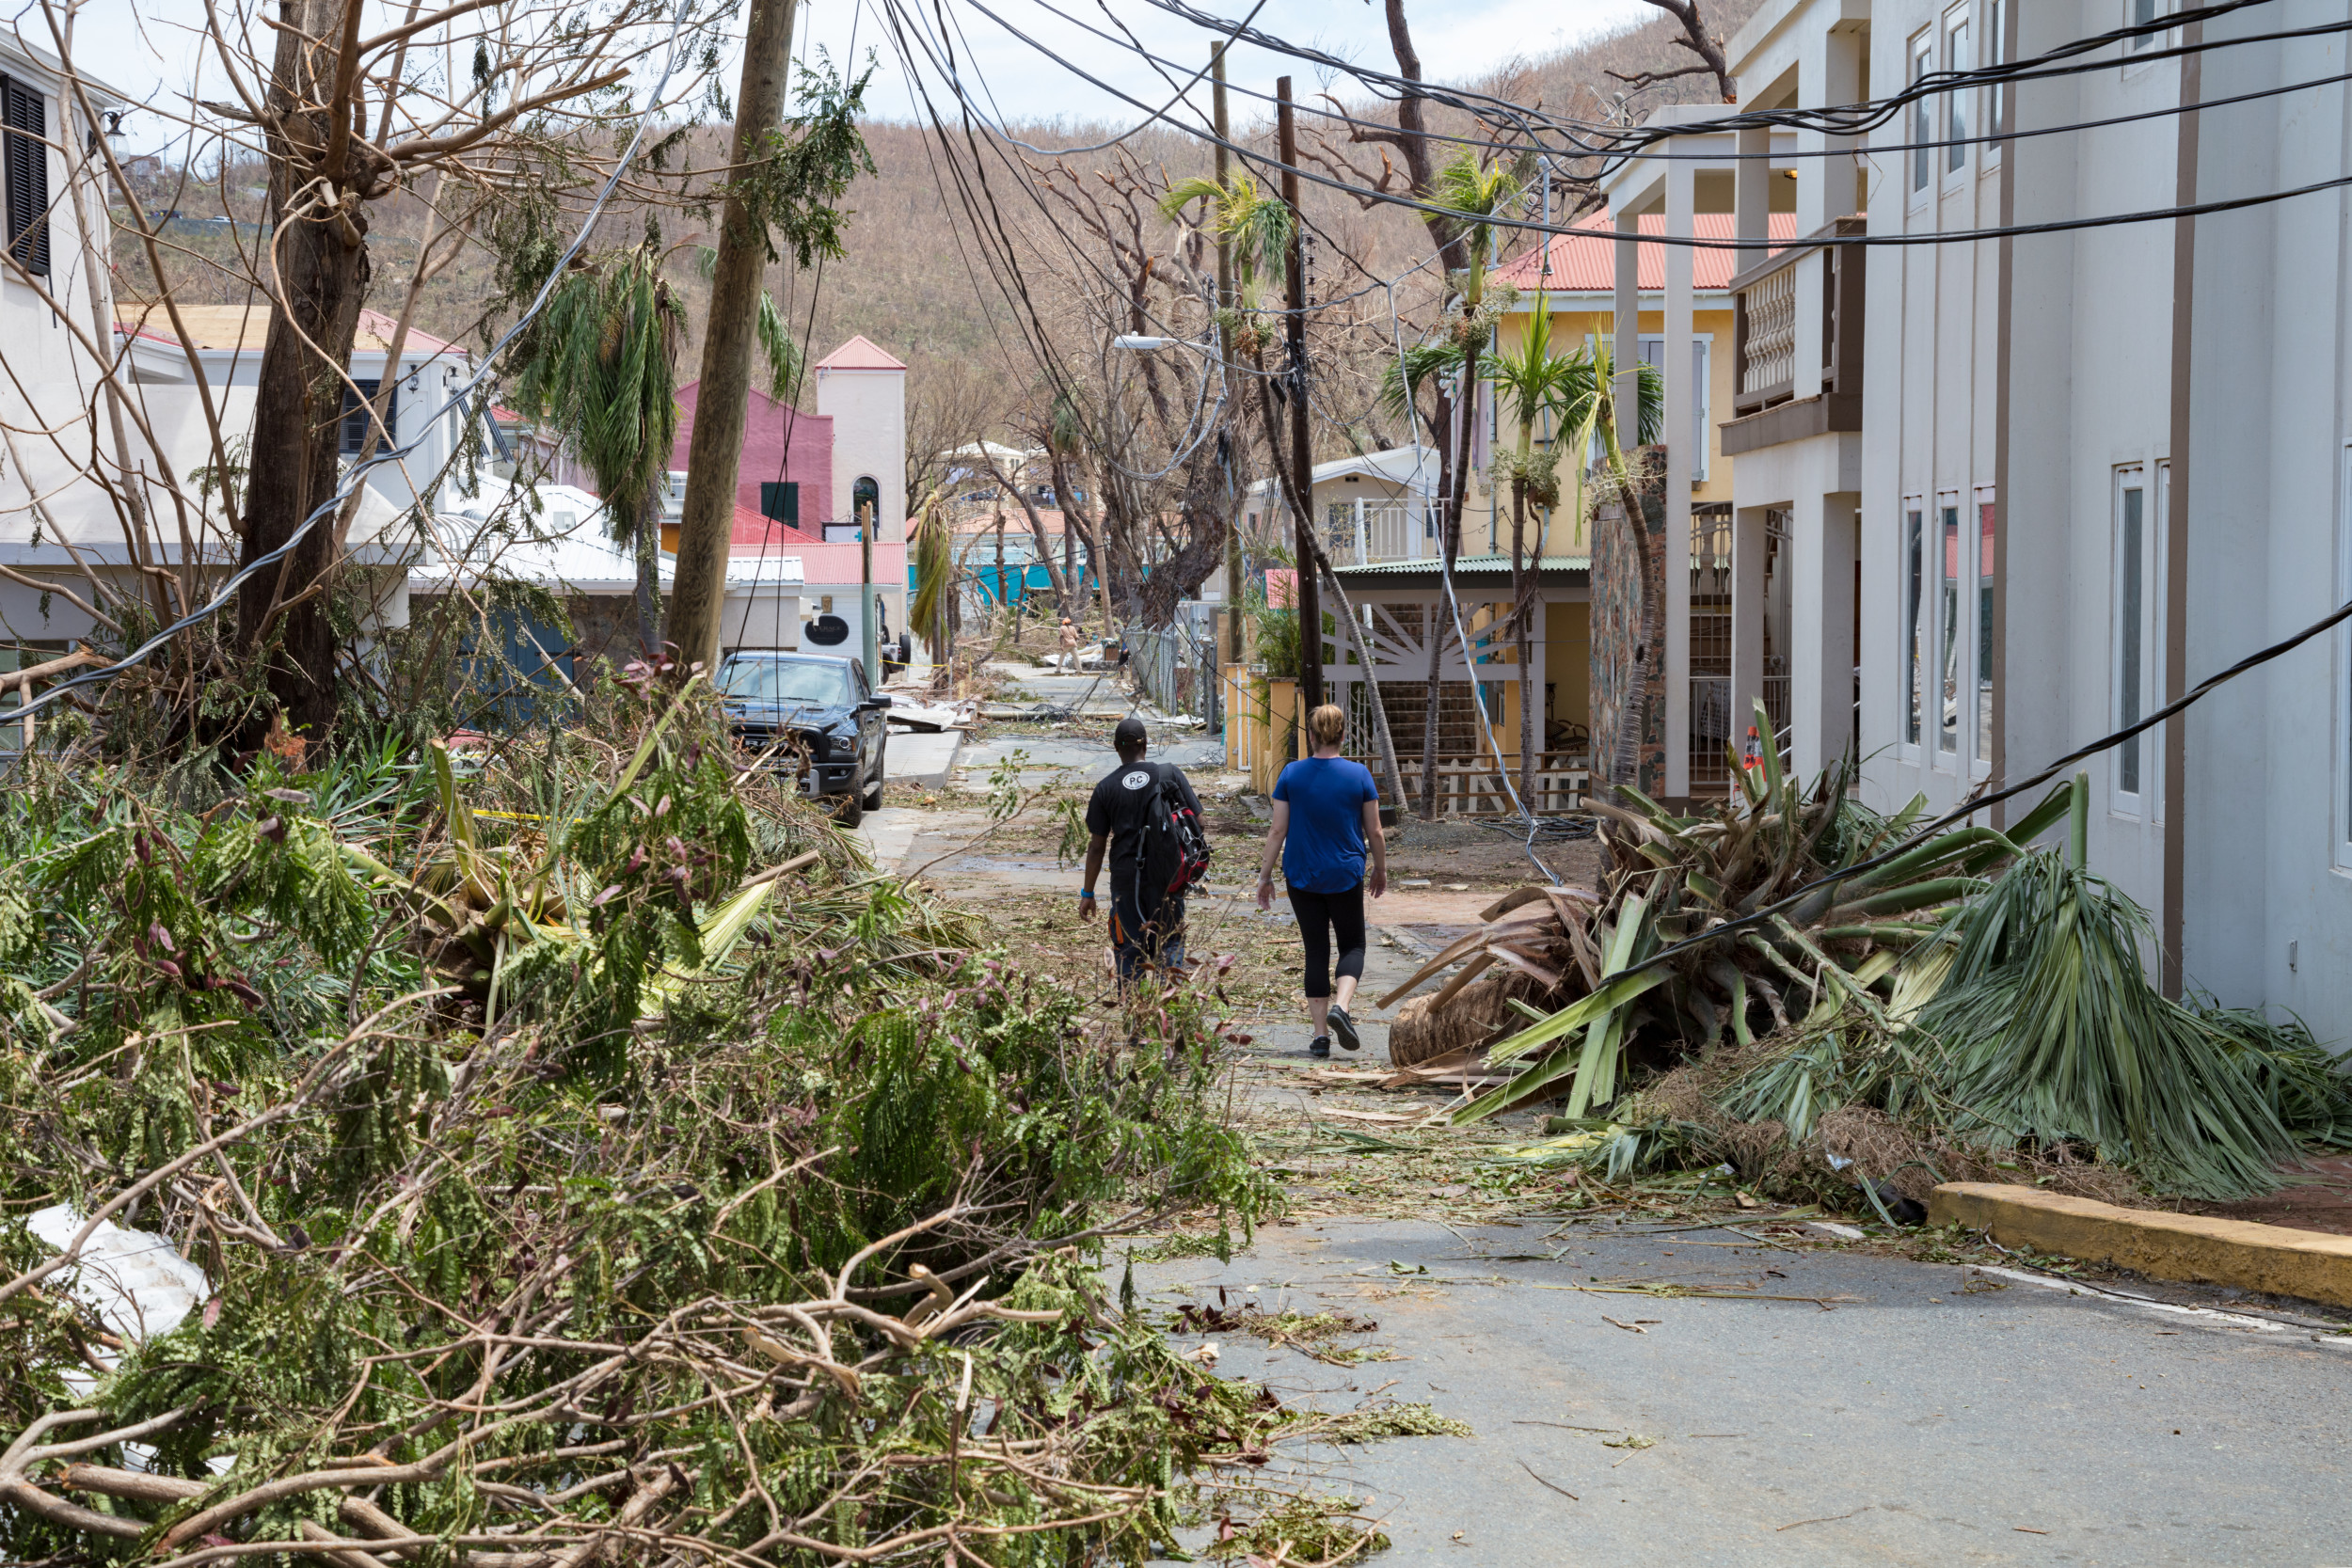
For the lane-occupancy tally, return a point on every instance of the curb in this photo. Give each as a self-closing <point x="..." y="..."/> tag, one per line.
<point x="2194" y="1248"/>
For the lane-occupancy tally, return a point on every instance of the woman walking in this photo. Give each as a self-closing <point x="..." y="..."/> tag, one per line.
<point x="1326" y="811"/>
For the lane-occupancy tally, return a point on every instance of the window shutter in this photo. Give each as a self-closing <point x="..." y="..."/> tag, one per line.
<point x="357" y="421"/>
<point x="780" y="501"/>
<point x="24" y="168"/>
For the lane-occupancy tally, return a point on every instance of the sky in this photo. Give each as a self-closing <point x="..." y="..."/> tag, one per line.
<point x="145" y="48"/>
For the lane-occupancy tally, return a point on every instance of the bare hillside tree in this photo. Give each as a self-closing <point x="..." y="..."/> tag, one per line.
<point x="1157" y="433"/>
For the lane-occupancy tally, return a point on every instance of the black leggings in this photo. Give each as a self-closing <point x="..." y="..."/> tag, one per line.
<point x="1345" y="914"/>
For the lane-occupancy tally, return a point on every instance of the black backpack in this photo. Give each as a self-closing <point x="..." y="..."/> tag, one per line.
<point x="1175" y="845"/>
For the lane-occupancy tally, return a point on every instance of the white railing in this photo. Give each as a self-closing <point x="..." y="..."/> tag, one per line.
<point x="1770" y="361"/>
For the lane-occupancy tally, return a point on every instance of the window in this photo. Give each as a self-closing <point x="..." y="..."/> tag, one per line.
<point x="1947" y="626"/>
<point x="25" y="172"/>
<point x="1698" y="408"/>
<point x="1654" y="355"/>
<point x="1915" y="630"/>
<point x="1997" y="101"/>
<point x="1984" y="545"/>
<point x="780" y="501"/>
<point x="2143" y="13"/>
<point x="863" y="495"/>
<point x="357" y="422"/>
<point x="2135" y="634"/>
<point x="1922" y="112"/>
<point x="1956" y="57"/>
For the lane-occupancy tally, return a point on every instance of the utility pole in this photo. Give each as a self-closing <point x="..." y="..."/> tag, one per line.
<point x="1302" y="454"/>
<point x="865" y="590"/>
<point x="715" y="451"/>
<point x="1234" y="650"/>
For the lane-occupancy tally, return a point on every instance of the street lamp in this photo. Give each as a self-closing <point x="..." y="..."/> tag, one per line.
<point x="1143" y="344"/>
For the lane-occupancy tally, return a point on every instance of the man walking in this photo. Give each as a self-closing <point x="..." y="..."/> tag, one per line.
<point x="1146" y="922"/>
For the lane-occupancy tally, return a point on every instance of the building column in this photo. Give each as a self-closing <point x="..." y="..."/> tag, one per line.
<point x="1829" y="71"/>
<point x="1747" y="620"/>
<point x="1823" y="545"/>
<point x="1752" y="193"/>
<point x="1682" y="206"/>
<point x="1625" y="346"/>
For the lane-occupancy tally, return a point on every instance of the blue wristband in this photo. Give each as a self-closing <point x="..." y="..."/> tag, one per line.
<point x="1086" y="896"/>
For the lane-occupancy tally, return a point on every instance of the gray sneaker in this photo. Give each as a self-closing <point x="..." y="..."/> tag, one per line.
<point x="1319" y="1046"/>
<point x="1345" y="1027"/>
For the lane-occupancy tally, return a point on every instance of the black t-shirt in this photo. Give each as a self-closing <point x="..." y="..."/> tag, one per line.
<point x="1122" y="808"/>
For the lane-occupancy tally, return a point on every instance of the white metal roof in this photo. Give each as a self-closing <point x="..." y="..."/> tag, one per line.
<point x="1416" y="468"/>
<point x="563" y="547"/>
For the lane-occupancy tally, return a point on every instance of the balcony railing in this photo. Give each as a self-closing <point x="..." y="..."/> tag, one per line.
<point x="1361" y="531"/>
<point x="1764" y="323"/>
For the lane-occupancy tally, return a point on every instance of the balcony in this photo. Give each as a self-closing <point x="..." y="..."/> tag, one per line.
<point x="1359" y="532"/>
<point x="1766" y="350"/>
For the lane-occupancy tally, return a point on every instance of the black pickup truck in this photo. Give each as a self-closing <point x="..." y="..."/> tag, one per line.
<point x="815" y="704"/>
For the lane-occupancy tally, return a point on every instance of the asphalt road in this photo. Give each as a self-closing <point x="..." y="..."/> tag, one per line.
<point x="1903" y="1413"/>
<point x="1909" y="1414"/>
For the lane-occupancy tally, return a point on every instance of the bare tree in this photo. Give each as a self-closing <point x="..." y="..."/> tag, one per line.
<point x="1695" y="37"/>
<point x="1159" y="436"/>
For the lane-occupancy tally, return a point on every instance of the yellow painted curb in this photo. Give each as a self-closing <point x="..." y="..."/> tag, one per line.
<point x="2308" y="1264"/>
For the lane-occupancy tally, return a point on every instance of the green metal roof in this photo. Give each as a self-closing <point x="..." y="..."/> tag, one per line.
<point x="1477" y="567"/>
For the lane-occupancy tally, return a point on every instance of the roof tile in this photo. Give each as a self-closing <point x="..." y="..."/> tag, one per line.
<point x="1584" y="260"/>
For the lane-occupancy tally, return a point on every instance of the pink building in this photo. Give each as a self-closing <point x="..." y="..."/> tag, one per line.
<point x="782" y="445"/>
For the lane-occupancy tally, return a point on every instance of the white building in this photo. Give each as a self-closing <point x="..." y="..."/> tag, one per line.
<point x="111" y="489"/>
<point x="2094" y="465"/>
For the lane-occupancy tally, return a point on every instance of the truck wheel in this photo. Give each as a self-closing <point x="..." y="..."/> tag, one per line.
<point x="851" y="811"/>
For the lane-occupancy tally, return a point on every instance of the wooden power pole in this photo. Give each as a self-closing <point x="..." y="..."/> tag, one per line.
<point x="1309" y="595"/>
<point x="715" y="451"/>
<point x="1234" y="647"/>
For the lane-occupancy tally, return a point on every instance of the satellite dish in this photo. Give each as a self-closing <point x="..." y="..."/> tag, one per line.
<point x="828" y="631"/>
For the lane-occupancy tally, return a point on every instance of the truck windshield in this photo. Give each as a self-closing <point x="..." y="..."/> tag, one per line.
<point x="825" y="682"/>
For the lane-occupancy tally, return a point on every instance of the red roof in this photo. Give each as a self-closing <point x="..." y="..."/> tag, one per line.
<point x="383" y="326"/>
<point x="1584" y="260"/>
<point x="759" y="535"/>
<point x="860" y="354"/>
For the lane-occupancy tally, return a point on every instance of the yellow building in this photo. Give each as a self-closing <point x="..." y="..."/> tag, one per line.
<point x="1575" y="277"/>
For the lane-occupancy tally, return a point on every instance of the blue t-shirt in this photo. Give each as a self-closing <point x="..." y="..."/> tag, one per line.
<point x="1325" y="851"/>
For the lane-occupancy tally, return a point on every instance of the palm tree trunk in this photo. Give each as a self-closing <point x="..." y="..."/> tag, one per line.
<point x="1531" y="683"/>
<point x="649" y="576"/>
<point x="1436" y="622"/>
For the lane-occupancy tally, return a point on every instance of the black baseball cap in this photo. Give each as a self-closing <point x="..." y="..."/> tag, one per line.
<point x="1129" y="733"/>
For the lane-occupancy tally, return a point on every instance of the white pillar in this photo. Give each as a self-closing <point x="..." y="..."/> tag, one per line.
<point x="1752" y="193"/>
<point x="1828" y="72"/>
<point x="1823" y="539"/>
<point x="1680" y="211"/>
<point x="1362" y="552"/>
<point x="1747" y="620"/>
<point x="1627" y="348"/>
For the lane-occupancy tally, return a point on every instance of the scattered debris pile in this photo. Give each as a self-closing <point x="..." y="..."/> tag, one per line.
<point x="1903" y="1013"/>
<point x="580" y="1154"/>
